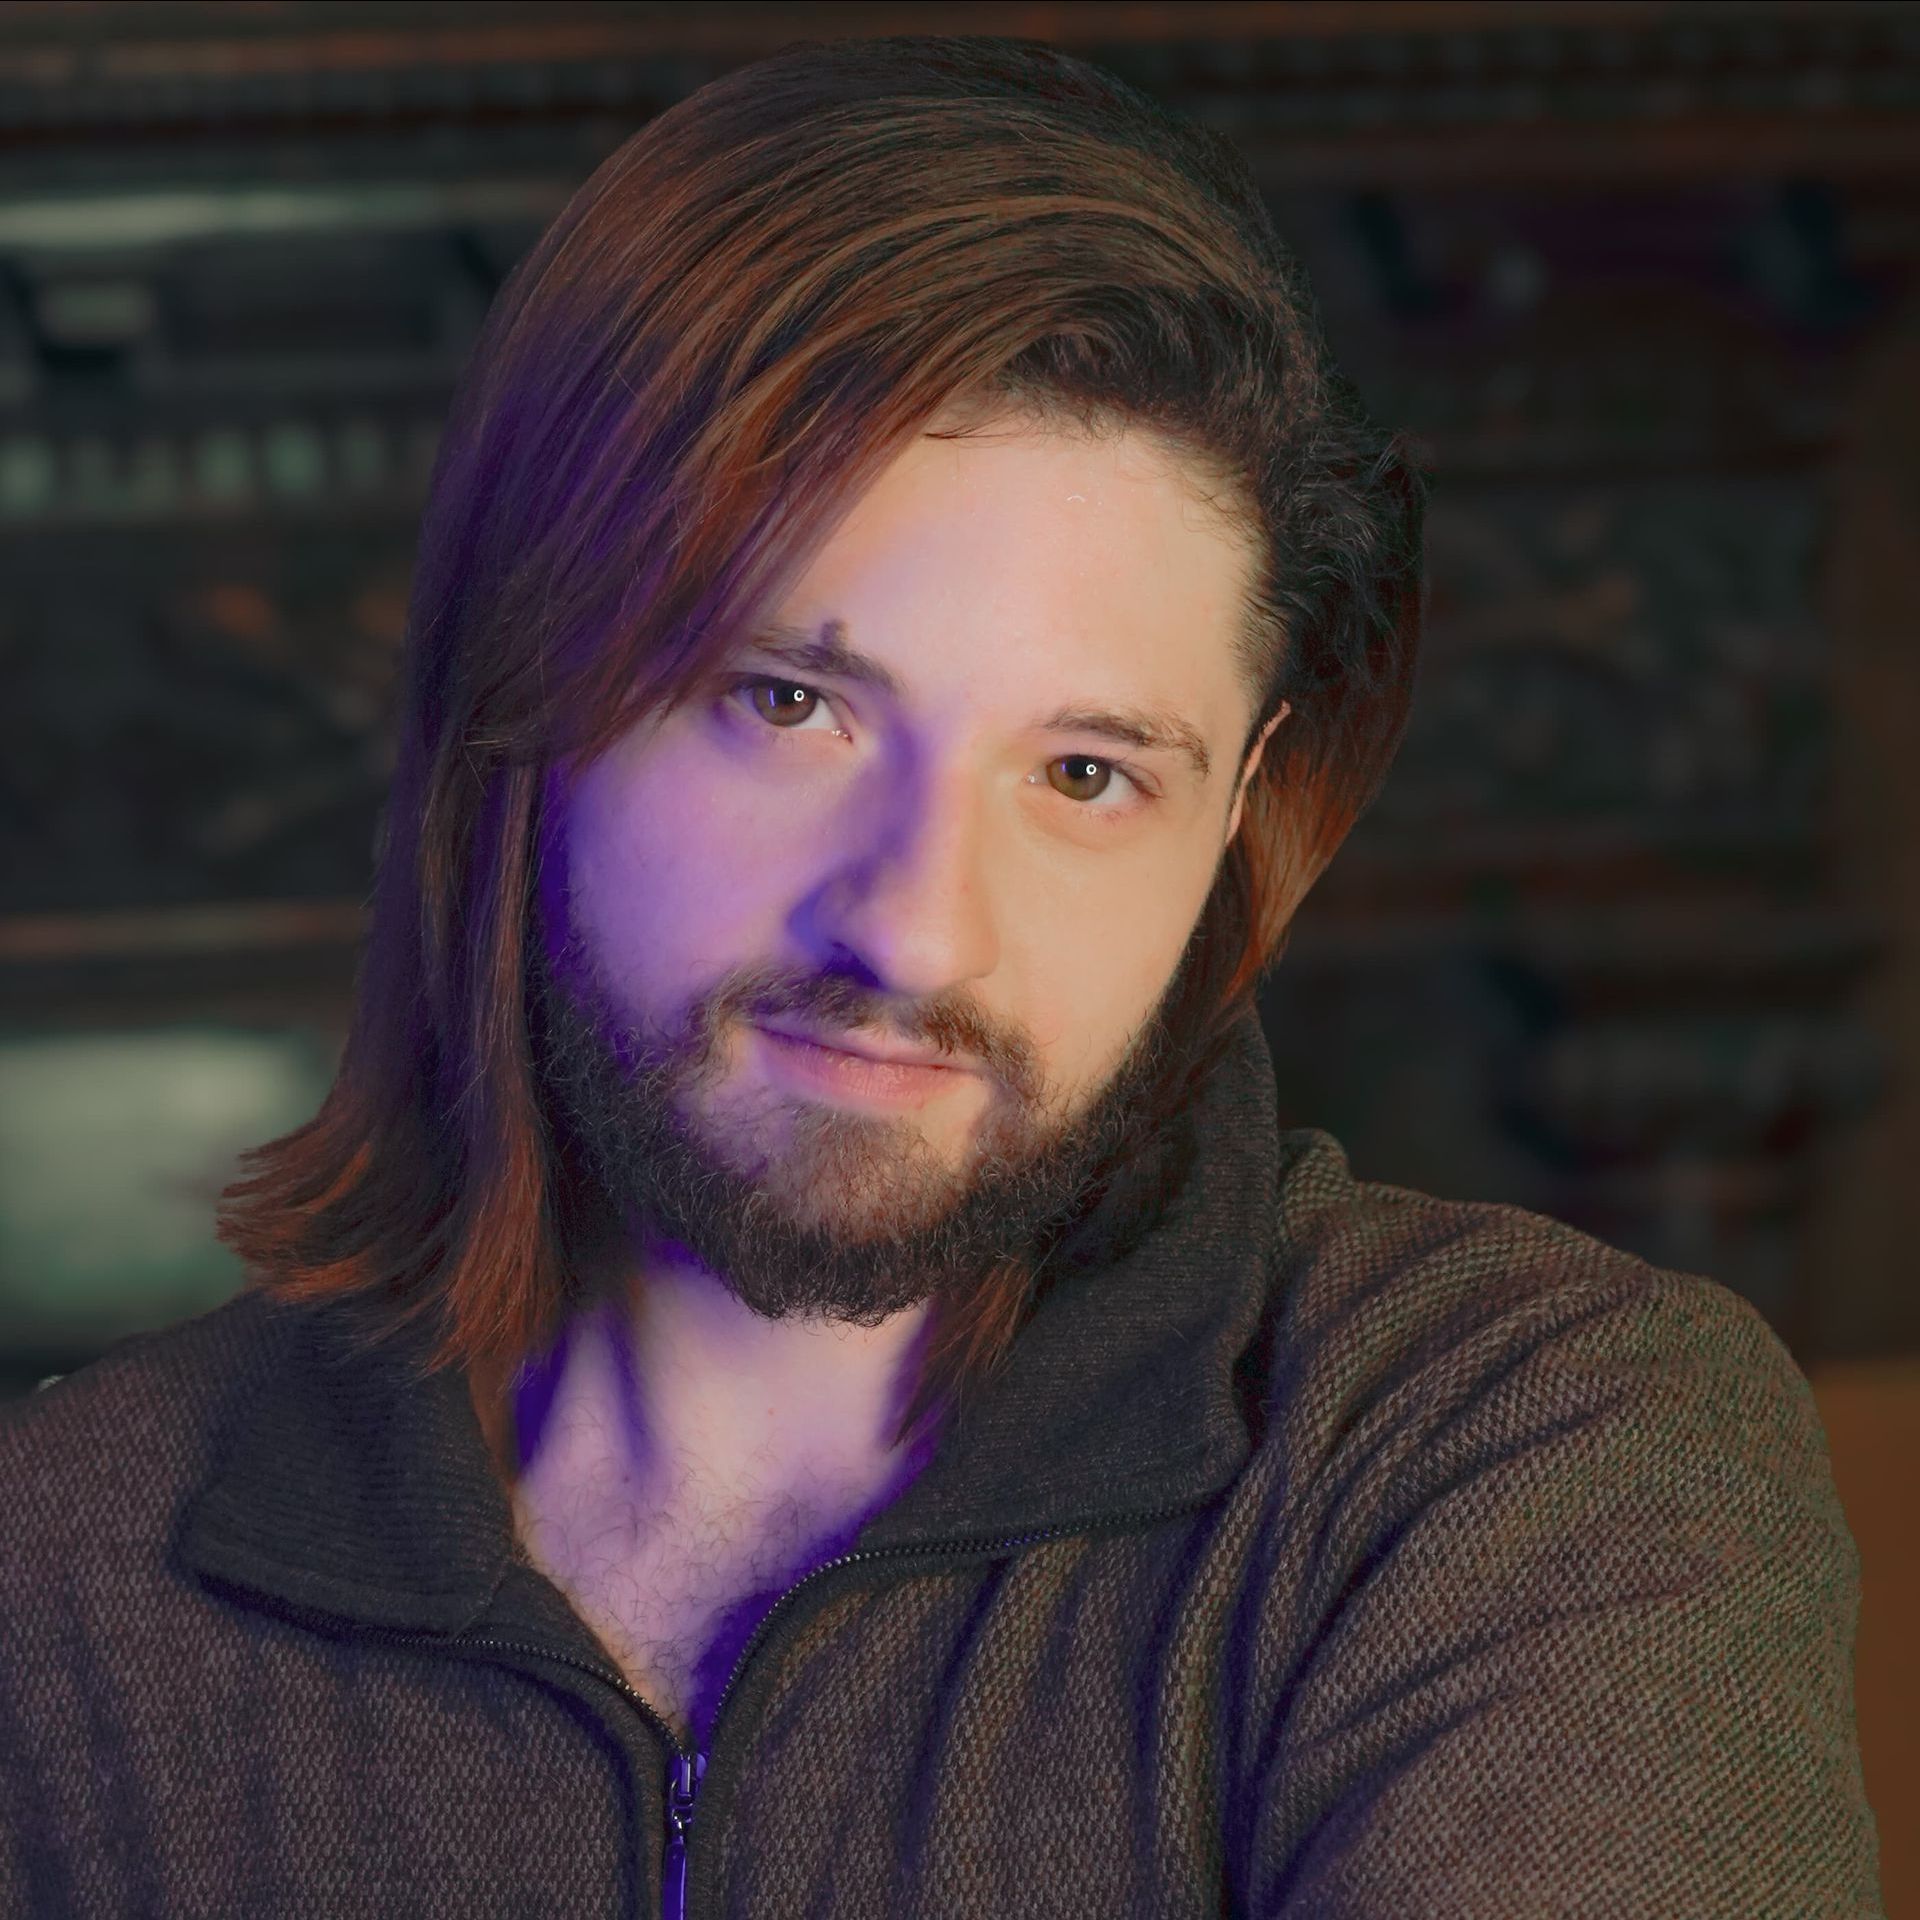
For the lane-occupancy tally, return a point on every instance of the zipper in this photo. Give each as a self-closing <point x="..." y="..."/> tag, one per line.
<point x="688" y="1768"/>
<point x="684" y="1775"/>
<point x="686" y="1771"/>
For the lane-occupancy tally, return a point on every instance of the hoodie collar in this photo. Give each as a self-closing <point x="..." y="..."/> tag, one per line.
<point x="357" y="1486"/>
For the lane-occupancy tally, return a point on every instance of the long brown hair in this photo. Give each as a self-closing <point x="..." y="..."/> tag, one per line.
<point x="734" y="326"/>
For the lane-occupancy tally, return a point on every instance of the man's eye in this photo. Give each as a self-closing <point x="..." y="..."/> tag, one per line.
<point x="786" y="704"/>
<point x="782" y="708"/>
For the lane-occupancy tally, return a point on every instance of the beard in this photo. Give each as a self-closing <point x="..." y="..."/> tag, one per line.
<point x="801" y="1208"/>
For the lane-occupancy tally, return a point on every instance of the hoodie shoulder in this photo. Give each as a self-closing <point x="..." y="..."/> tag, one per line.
<point x="104" y="1452"/>
<point x="1381" y="1292"/>
<point x="1539" y="1517"/>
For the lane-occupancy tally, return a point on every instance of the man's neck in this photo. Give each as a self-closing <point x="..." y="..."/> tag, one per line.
<point x="686" y="1400"/>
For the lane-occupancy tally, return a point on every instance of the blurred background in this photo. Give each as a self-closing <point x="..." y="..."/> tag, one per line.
<point x="1632" y="937"/>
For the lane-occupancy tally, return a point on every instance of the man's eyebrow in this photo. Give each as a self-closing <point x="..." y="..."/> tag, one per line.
<point x="829" y="653"/>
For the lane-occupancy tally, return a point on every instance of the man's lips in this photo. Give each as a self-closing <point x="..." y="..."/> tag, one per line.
<point x="865" y="1049"/>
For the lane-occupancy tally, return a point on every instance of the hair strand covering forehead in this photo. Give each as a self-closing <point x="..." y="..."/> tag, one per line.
<point x="731" y="329"/>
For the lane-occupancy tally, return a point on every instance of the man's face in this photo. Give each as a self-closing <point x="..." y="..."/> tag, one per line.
<point x="934" y="867"/>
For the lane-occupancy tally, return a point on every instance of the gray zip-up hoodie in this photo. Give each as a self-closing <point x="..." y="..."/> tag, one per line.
<point x="1339" y="1551"/>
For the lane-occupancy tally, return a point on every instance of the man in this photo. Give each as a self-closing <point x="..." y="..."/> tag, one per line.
<point x="796" y="1371"/>
<point x="795" y="1212"/>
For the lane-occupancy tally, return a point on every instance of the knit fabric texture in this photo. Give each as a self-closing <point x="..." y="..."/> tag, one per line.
<point x="1339" y="1551"/>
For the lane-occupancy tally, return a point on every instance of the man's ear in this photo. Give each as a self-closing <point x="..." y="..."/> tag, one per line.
<point x="1247" y="772"/>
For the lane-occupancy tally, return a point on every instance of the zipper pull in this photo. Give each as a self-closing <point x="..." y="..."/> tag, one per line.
<point x="683" y="1778"/>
